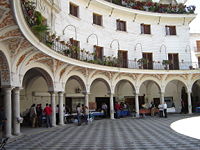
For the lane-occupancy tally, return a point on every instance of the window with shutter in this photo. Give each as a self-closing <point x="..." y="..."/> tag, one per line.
<point x="75" y="53"/>
<point x="198" y="46"/>
<point x="170" y="30"/>
<point x="174" y="61"/>
<point x="145" y="29"/>
<point x="149" y="60"/>
<point x="98" y="52"/>
<point x="74" y="9"/>
<point x="97" y="19"/>
<point x="121" y="25"/>
<point x="123" y="58"/>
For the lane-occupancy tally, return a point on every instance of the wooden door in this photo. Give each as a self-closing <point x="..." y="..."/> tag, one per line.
<point x="199" y="61"/>
<point x="123" y="58"/>
<point x="75" y="53"/>
<point x="149" y="62"/>
<point x="131" y="103"/>
<point x="198" y="46"/>
<point x="98" y="52"/>
<point x="68" y="103"/>
<point x="156" y="101"/>
<point x="174" y="61"/>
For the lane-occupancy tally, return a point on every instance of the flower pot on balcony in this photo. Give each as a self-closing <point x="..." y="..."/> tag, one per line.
<point x="191" y="67"/>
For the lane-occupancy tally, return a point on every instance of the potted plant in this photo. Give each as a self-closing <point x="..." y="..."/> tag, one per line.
<point x="141" y="62"/>
<point x="165" y="63"/>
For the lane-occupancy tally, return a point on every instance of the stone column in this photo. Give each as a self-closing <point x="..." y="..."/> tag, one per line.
<point x="87" y="99"/>
<point x="111" y="107"/>
<point x="61" y="117"/>
<point x="137" y="105"/>
<point x="53" y="106"/>
<point x="7" y="110"/>
<point x="189" y="103"/>
<point x="16" y="111"/>
<point x="162" y="97"/>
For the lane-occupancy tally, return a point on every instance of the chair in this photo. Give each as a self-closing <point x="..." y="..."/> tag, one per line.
<point x="3" y="143"/>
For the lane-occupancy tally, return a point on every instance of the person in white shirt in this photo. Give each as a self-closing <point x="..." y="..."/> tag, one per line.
<point x="104" y="107"/>
<point x="165" y="109"/>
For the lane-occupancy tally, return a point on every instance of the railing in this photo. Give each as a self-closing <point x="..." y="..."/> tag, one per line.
<point x="71" y="51"/>
<point x="155" y="7"/>
<point x="197" y="49"/>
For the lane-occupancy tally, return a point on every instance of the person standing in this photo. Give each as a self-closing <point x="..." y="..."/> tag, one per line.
<point x="48" y="113"/>
<point x="86" y="114"/>
<point x="33" y="115"/>
<point x="104" y="107"/>
<point x="160" y="106"/>
<point x="39" y="115"/>
<point x="79" y="110"/>
<point x="165" y="109"/>
<point x="3" y="119"/>
<point x="57" y="114"/>
<point x="118" y="110"/>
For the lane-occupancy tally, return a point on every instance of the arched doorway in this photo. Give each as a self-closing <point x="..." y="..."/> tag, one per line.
<point x="37" y="84"/>
<point x="75" y="93"/>
<point x="100" y="94"/>
<point x="149" y="92"/>
<point x="195" y="95"/>
<point x="125" y="93"/>
<point x="176" y="96"/>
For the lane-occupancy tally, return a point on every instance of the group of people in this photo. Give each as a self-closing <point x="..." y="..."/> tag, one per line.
<point x="38" y="116"/>
<point x="82" y="113"/>
<point x="119" y="107"/>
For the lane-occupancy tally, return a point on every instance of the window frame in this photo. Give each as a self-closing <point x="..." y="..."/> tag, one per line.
<point x="170" y="30"/>
<point x="97" y="19"/>
<point x="121" y="25"/>
<point x="145" y="28"/>
<point x="72" y="8"/>
<point x="96" y="48"/>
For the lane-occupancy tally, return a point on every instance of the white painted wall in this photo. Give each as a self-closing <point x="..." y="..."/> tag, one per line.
<point x="193" y="38"/>
<point x="127" y="40"/>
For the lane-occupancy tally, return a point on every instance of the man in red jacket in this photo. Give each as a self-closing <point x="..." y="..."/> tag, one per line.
<point x="48" y="113"/>
<point x="117" y="109"/>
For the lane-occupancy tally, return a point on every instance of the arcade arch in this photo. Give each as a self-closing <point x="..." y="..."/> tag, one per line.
<point x="100" y="91"/>
<point x="176" y="95"/>
<point x="125" y="92"/>
<point x="75" y="90"/>
<point x="149" y="91"/>
<point x="195" y="97"/>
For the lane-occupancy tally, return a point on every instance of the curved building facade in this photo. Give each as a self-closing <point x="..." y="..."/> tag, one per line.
<point x="95" y="52"/>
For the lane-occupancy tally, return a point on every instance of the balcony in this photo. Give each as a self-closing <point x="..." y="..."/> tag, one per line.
<point x="155" y="7"/>
<point x="34" y="21"/>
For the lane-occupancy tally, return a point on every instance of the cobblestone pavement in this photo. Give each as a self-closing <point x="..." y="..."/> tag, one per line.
<point x="150" y="133"/>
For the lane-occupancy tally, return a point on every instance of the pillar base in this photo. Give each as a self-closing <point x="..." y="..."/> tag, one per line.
<point x="61" y="124"/>
<point x="54" y="125"/>
<point x="17" y="133"/>
<point x="137" y="115"/>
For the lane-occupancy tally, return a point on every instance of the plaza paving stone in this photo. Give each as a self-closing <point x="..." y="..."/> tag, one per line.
<point x="150" y="133"/>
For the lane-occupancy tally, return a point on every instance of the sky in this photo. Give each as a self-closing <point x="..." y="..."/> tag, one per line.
<point x="195" y="24"/>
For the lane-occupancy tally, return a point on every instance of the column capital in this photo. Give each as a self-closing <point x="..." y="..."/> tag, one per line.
<point x="16" y="89"/>
<point x="52" y="92"/>
<point x="137" y="94"/>
<point x="61" y="92"/>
